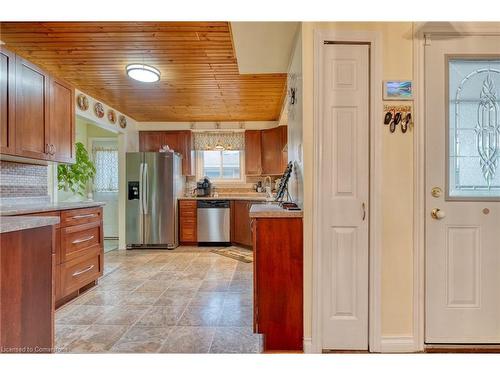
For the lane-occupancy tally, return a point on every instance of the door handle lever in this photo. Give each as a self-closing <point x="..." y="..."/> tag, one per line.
<point x="363" y="206"/>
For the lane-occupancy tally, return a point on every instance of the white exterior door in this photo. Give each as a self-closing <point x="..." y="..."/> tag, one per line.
<point x="344" y="171"/>
<point x="462" y="117"/>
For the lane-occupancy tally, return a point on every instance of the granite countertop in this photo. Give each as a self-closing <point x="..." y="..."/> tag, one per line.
<point x="272" y="210"/>
<point x="249" y="197"/>
<point x="22" y="209"/>
<point x="12" y="224"/>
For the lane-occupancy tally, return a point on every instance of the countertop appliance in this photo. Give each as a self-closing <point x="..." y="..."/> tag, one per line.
<point x="214" y="222"/>
<point x="203" y="188"/>
<point x="154" y="183"/>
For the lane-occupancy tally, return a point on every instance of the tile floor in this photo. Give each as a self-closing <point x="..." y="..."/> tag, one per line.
<point x="184" y="301"/>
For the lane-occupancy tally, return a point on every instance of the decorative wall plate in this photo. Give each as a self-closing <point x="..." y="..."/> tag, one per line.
<point x="111" y="116"/>
<point x="99" y="110"/>
<point x="83" y="102"/>
<point x="123" y="121"/>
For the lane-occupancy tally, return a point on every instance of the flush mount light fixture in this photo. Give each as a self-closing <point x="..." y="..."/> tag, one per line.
<point x="143" y="73"/>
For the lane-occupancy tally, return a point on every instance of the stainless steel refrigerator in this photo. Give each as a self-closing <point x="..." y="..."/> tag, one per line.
<point x="154" y="182"/>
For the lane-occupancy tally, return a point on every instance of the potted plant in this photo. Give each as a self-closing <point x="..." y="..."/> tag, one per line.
<point x="75" y="177"/>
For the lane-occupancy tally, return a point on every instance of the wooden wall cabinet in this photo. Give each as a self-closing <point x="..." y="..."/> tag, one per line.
<point x="278" y="282"/>
<point x="265" y="151"/>
<point x="253" y="153"/>
<point x="32" y="111"/>
<point x="241" y="231"/>
<point x="188" y="229"/>
<point x="37" y="118"/>
<point x="273" y="141"/>
<point x="180" y="141"/>
<point x="7" y="101"/>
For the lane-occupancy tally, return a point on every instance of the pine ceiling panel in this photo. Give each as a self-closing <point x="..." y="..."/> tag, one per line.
<point x="200" y="79"/>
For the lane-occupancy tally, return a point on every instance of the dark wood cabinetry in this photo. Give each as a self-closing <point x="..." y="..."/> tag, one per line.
<point x="273" y="141"/>
<point x="79" y="251"/>
<point x="253" y="153"/>
<point x="32" y="111"/>
<point x="265" y="151"/>
<point x="7" y="101"/>
<point x="37" y="117"/>
<point x="278" y="282"/>
<point x="180" y="141"/>
<point x="188" y="222"/>
<point x="62" y="121"/>
<point x="241" y="232"/>
<point x="26" y="291"/>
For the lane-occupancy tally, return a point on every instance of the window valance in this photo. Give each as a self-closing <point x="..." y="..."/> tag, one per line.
<point x="219" y="141"/>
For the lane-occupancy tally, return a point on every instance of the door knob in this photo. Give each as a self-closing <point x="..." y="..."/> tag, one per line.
<point x="438" y="214"/>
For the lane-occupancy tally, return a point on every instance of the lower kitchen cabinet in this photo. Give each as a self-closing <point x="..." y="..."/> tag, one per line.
<point x="188" y="222"/>
<point x="27" y="260"/>
<point x="79" y="251"/>
<point x="278" y="282"/>
<point x="241" y="233"/>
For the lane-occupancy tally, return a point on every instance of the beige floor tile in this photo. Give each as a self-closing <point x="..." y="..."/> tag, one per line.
<point x="188" y="340"/>
<point x="66" y="334"/>
<point x="126" y="315"/>
<point x="241" y="286"/>
<point x="161" y="316"/>
<point x="140" y="298"/>
<point x="124" y="285"/>
<point x="141" y="340"/>
<point x="236" y="316"/>
<point x="104" y="297"/>
<point x="82" y="315"/>
<point x="154" y="286"/>
<point x="235" y="340"/>
<point x="238" y="299"/>
<point x="219" y="285"/>
<point x="208" y="299"/>
<point x="200" y="316"/>
<point x="97" y="339"/>
<point x="173" y="297"/>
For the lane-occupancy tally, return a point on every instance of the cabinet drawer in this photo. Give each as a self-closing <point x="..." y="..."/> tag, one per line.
<point x="188" y="213"/>
<point x="188" y="233"/>
<point x="76" y="240"/>
<point x="187" y="204"/>
<point x="81" y="271"/>
<point x="81" y="216"/>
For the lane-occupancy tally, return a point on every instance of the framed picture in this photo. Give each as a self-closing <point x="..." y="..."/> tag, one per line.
<point x="398" y="90"/>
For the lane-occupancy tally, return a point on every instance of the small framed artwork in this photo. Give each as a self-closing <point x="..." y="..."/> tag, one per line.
<point x="398" y="90"/>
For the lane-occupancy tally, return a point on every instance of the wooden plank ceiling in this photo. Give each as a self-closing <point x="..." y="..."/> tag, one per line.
<point x="200" y="79"/>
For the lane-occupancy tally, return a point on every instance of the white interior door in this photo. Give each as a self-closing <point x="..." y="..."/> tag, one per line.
<point x="344" y="171"/>
<point x="462" y="91"/>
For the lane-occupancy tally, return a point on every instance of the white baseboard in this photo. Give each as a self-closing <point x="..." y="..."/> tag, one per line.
<point x="308" y="345"/>
<point x="398" y="344"/>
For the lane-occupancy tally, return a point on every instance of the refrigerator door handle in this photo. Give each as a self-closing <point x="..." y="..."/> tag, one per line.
<point x="141" y="187"/>
<point x="146" y="189"/>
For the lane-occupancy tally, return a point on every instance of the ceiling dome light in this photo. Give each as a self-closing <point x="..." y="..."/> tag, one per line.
<point x="143" y="73"/>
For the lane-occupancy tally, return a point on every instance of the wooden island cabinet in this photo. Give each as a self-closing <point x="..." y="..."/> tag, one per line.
<point x="278" y="279"/>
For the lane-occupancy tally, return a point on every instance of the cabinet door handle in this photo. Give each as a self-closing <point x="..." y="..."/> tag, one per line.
<point x="83" y="216"/>
<point x="83" y="271"/>
<point x="80" y="240"/>
<point x="53" y="149"/>
<point x="47" y="148"/>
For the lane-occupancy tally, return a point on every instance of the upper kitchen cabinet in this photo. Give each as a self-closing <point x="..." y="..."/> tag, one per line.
<point x="32" y="111"/>
<point x="253" y="153"/>
<point x="273" y="141"/>
<point x="37" y="118"/>
<point x="62" y="121"/>
<point x="7" y="101"/>
<point x="180" y="141"/>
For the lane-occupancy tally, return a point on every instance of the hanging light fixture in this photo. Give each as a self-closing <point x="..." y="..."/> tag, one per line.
<point x="143" y="73"/>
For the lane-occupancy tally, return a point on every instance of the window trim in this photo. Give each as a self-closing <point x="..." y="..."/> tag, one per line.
<point x="199" y="169"/>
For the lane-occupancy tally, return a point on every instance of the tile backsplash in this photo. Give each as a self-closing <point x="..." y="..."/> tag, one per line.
<point x="18" y="180"/>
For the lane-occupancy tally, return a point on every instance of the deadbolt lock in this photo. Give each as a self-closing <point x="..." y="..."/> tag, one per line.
<point x="436" y="192"/>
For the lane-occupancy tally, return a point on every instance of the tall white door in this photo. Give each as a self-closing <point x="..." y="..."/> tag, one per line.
<point x="344" y="171"/>
<point x="462" y="106"/>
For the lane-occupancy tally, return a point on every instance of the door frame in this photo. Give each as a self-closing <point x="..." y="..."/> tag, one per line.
<point x="421" y="38"/>
<point x="374" y="39"/>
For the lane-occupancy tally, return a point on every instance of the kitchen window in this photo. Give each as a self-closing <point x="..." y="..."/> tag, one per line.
<point x="222" y="165"/>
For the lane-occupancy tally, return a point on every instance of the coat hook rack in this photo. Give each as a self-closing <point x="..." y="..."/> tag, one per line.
<point x="395" y="115"/>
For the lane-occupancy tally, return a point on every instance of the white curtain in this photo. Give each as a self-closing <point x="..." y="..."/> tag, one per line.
<point x="106" y="164"/>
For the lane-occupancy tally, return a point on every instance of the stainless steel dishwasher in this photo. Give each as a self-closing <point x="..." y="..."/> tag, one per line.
<point x="214" y="222"/>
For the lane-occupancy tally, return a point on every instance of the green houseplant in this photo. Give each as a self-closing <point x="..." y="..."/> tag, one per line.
<point x="74" y="177"/>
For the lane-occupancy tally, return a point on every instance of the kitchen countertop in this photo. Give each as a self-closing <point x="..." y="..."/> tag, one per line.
<point x="273" y="210"/>
<point x="22" y="209"/>
<point x="249" y="197"/>
<point x="12" y="224"/>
